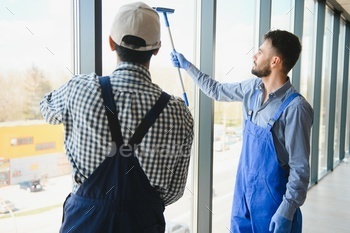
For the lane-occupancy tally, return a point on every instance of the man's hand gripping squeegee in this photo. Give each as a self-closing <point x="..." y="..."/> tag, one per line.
<point x="165" y="11"/>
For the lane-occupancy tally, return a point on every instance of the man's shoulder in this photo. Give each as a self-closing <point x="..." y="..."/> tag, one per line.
<point x="78" y="78"/>
<point x="177" y="106"/>
<point x="301" y="103"/>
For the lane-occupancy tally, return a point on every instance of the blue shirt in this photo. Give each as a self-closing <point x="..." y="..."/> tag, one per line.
<point x="291" y="133"/>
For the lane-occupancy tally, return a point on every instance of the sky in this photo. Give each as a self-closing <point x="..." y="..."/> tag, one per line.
<point x="35" y="32"/>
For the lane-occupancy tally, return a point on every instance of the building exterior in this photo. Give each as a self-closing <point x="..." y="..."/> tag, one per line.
<point x="31" y="150"/>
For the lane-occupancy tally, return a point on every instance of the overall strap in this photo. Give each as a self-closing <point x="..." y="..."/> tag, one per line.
<point x="113" y="121"/>
<point x="111" y="111"/>
<point x="281" y="109"/>
<point x="149" y="119"/>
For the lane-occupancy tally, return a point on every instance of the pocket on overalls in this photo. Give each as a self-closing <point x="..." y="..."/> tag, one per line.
<point x="87" y="215"/>
<point x="275" y="190"/>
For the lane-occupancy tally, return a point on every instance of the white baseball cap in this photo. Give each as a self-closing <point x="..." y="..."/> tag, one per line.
<point x="137" y="19"/>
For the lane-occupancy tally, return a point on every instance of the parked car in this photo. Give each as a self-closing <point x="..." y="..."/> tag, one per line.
<point x="172" y="227"/>
<point x="31" y="185"/>
<point x="6" y="206"/>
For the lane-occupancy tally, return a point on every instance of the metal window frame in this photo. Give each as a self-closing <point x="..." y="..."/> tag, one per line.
<point x="298" y="31"/>
<point x="87" y="38"/>
<point x="264" y="19"/>
<point x="321" y="14"/>
<point x="204" y="122"/>
<point x="345" y="116"/>
<point x="333" y="91"/>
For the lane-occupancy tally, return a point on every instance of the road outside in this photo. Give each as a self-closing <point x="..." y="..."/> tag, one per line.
<point x="41" y="212"/>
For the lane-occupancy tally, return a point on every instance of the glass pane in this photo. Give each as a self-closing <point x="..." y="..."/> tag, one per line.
<point x="308" y="52"/>
<point x="183" y="29"/>
<point x="36" y="57"/>
<point x="282" y="18"/>
<point x="282" y="15"/>
<point x="325" y="90"/>
<point x="233" y="63"/>
<point x="340" y="71"/>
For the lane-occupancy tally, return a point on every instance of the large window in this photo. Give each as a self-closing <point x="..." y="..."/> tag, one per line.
<point x="308" y="51"/>
<point x="325" y="90"/>
<point x="235" y="40"/>
<point x="36" y="57"/>
<point x="183" y="29"/>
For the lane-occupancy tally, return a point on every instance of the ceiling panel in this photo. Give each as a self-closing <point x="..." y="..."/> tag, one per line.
<point x="342" y="6"/>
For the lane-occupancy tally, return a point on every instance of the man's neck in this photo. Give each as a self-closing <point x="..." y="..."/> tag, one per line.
<point x="144" y="64"/>
<point x="272" y="83"/>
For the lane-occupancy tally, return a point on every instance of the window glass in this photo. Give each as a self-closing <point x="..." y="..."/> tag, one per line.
<point x="325" y="91"/>
<point x="340" y="71"/>
<point x="235" y="40"/>
<point x="308" y="57"/>
<point x="308" y="51"/>
<point x="183" y="29"/>
<point x="282" y="15"/>
<point x="282" y="18"/>
<point x="36" y="57"/>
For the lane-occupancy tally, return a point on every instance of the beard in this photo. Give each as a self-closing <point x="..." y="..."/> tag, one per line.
<point x="262" y="72"/>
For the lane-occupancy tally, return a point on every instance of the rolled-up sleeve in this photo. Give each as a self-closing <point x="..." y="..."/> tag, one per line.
<point x="53" y="106"/>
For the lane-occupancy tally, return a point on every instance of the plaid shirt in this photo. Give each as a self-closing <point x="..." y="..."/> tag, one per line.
<point x="164" y="152"/>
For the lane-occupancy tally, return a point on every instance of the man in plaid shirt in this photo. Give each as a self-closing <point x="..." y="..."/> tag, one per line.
<point x="164" y="153"/>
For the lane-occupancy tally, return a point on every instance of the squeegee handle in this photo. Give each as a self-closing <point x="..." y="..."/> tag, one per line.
<point x="178" y="69"/>
<point x="183" y="88"/>
<point x="166" y="19"/>
<point x="185" y="99"/>
<point x="164" y="11"/>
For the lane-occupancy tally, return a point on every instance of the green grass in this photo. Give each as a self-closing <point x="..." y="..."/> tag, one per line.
<point x="30" y="212"/>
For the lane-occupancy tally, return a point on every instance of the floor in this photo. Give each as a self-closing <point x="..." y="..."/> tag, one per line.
<point x="327" y="206"/>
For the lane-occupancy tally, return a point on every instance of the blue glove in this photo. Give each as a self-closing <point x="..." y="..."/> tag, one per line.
<point x="280" y="224"/>
<point x="179" y="60"/>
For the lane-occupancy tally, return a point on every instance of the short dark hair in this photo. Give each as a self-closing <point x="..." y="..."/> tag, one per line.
<point x="286" y="45"/>
<point x="135" y="56"/>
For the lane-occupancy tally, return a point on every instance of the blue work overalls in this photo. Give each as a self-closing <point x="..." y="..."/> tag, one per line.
<point x="261" y="180"/>
<point x="117" y="196"/>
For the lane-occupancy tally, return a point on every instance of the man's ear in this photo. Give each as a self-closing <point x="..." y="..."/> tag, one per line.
<point x="155" y="52"/>
<point x="275" y="61"/>
<point x="112" y="44"/>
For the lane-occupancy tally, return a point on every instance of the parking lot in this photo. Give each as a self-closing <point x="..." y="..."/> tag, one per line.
<point x="33" y="207"/>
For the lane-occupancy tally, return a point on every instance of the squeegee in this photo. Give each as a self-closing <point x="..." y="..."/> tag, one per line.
<point x="165" y="11"/>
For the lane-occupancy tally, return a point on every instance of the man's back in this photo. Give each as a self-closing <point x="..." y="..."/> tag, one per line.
<point x="164" y="152"/>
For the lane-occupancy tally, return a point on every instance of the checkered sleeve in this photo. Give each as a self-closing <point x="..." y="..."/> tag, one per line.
<point x="53" y="105"/>
<point x="180" y="171"/>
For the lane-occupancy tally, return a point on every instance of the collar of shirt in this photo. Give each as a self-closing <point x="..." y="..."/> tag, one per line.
<point x="280" y="92"/>
<point x="141" y="72"/>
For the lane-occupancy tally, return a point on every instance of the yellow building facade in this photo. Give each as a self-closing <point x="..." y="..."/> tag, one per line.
<point x="31" y="150"/>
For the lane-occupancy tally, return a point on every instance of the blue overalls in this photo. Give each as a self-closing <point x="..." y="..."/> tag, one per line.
<point x="261" y="180"/>
<point x="118" y="196"/>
